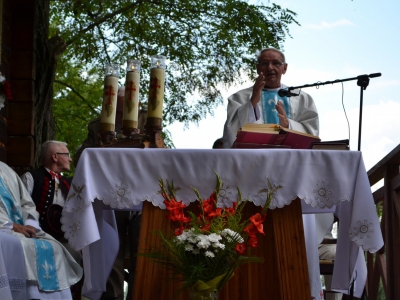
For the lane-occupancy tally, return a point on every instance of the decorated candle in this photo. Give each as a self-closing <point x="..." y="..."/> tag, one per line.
<point x="131" y="104"/>
<point x="107" y="116"/>
<point x="156" y="89"/>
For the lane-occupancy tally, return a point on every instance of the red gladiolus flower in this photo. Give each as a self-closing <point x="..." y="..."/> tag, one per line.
<point x="257" y="221"/>
<point x="215" y="213"/>
<point x="179" y="217"/>
<point x="231" y="210"/>
<point x="205" y="227"/>
<point x="179" y="230"/>
<point x="173" y="204"/>
<point x="251" y="230"/>
<point x="253" y="241"/>
<point x="240" y="248"/>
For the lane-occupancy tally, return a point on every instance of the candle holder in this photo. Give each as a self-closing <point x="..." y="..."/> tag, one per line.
<point x="153" y="130"/>
<point x="107" y="138"/>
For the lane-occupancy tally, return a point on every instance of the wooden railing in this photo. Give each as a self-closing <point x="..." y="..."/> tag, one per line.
<point x="385" y="264"/>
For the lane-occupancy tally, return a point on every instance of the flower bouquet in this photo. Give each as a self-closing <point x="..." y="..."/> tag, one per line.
<point x="204" y="250"/>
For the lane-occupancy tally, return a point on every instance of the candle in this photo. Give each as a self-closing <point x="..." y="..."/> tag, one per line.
<point x="131" y="104"/>
<point x="107" y="116"/>
<point x="156" y="89"/>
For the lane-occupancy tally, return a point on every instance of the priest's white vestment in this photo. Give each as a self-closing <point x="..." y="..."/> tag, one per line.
<point x="304" y="115"/>
<point x="67" y="270"/>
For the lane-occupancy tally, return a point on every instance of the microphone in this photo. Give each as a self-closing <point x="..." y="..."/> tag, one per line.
<point x="374" y="75"/>
<point x="286" y="93"/>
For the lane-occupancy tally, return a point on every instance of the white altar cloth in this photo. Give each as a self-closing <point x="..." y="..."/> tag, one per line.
<point x="123" y="178"/>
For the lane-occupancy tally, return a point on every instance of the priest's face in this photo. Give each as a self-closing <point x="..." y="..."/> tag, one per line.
<point x="272" y="66"/>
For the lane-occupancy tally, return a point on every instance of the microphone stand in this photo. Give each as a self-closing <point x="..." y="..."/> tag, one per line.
<point x="362" y="82"/>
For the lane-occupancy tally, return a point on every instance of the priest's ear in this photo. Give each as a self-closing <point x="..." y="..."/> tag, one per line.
<point x="284" y="68"/>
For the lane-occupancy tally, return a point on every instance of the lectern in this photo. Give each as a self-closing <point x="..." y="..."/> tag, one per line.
<point x="283" y="275"/>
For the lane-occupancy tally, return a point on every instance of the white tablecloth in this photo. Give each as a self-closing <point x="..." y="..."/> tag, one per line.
<point x="123" y="178"/>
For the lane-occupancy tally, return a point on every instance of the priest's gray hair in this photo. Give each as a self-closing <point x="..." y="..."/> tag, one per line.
<point x="271" y="49"/>
<point x="46" y="147"/>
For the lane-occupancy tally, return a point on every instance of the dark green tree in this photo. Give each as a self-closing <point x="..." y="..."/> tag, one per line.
<point x="208" y="44"/>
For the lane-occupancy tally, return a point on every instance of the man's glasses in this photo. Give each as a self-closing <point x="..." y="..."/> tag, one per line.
<point x="274" y="63"/>
<point x="66" y="154"/>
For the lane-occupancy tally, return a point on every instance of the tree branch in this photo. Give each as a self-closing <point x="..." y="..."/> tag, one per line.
<point x="102" y="20"/>
<point x="77" y="93"/>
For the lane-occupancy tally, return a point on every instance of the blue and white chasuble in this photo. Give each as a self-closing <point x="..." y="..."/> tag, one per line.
<point x="8" y="202"/>
<point x="45" y="261"/>
<point x="269" y="99"/>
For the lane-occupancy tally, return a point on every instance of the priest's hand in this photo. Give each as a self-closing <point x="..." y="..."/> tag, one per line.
<point x="257" y="88"/>
<point x="283" y="120"/>
<point x="28" y="230"/>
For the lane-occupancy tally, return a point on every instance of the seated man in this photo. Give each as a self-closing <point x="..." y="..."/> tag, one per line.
<point x="49" y="190"/>
<point x="49" y="267"/>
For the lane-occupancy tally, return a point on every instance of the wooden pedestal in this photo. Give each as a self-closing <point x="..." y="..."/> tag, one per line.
<point x="283" y="275"/>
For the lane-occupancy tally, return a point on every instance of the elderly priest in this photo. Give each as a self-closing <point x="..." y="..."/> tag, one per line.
<point x="50" y="269"/>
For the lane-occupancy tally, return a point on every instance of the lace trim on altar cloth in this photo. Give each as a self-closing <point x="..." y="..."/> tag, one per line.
<point x="3" y="281"/>
<point x="15" y="284"/>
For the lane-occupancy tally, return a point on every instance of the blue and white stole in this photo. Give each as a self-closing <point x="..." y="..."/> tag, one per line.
<point x="8" y="203"/>
<point x="45" y="261"/>
<point x="269" y="98"/>
<point x="46" y="266"/>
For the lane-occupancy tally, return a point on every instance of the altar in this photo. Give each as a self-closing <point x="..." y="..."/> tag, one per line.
<point x="124" y="178"/>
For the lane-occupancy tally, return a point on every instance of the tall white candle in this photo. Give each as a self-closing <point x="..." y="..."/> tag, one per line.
<point x="108" y="111"/>
<point x="156" y="89"/>
<point x="131" y="103"/>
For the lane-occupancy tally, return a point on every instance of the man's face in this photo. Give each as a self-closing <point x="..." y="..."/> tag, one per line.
<point x="270" y="64"/>
<point x="63" y="158"/>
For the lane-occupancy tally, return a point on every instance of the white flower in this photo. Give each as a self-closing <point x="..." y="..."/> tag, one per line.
<point x="204" y="242"/>
<point x="214" y="238"/>
<point x="219" y="245"/>
<point x="189" y="247"/>
<point x="227" y="231"/>
<point x="209" y="254"/>
<point x="231" y="235"/>
<point x="2" y="100"/>
<point x="181" y="239"/>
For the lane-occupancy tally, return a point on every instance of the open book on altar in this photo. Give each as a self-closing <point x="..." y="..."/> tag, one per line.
<point x="272" y="136"/>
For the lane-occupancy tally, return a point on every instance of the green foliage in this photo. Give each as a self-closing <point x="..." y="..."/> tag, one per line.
<point x="77" y="100"/>
<point x="209" y="44"/>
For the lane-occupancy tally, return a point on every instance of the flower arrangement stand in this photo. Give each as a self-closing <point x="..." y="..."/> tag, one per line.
<point x="283" y="275"/>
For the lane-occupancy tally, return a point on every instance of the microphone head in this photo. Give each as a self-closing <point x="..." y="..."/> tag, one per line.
<point x="374" y="75"/>
<point x="283" y="93"/>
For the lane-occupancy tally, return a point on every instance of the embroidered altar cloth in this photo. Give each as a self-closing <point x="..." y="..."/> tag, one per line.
<point x="123" y="178"/>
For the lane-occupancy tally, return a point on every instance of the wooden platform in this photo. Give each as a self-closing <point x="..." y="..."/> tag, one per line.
<point x="283" y="275"/>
